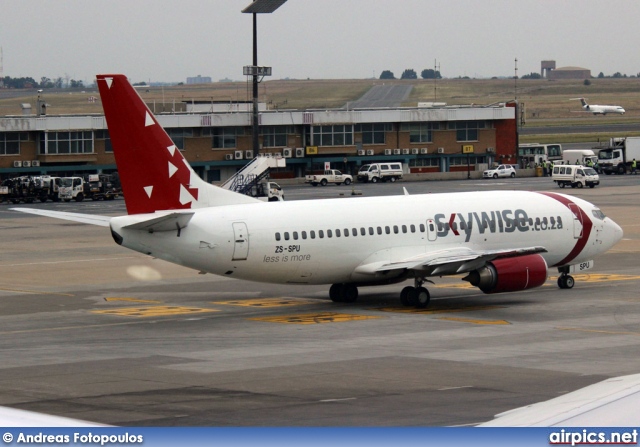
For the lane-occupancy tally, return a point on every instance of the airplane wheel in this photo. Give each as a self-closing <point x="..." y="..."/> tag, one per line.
<point x="404" y="294"/>
<point x="422" y="297"/>
<point x="569" y="282"/>
<point x="335" y="293"/>
<point x="412" y="297"/>
<point x="349" y="293"/>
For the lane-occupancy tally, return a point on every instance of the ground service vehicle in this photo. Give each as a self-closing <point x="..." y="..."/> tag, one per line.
<point x="71" y="188"/>
<point x="531" y="154"/>
<point x="576" y="176"/>
<point x="100" y="187"/>
<point x="503" y="241"/>
<point x="375" y="172"/>
<point x="500" y="171"/>
<point x="579" y="157"/>
<point x="268" y="192"/>
<point x="617" y="158"/>
<point x="329" y="176"/>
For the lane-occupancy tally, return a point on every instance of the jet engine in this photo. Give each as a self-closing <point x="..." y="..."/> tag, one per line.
<point x="510" y="274"/>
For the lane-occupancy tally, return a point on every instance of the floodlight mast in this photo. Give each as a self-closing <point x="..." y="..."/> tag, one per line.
<point x="255" y="8"/>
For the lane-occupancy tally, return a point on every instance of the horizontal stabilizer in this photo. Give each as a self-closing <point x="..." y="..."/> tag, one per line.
<point x="167" y="222"/>
<point x="91" y="219"/>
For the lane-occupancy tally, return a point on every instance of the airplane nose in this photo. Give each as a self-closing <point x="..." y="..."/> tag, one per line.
<point x="614" y="232"/>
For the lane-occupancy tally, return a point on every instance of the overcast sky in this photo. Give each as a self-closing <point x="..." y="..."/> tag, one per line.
<point x="169" y="40"/>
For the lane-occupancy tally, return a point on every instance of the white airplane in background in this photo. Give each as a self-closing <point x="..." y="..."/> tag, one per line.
<point x="598" y="110"/>
<point x="503" y="241"/>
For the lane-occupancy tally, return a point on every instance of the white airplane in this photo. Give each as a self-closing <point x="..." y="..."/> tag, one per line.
<point x="598" y="110"/>
<point x="503" y="241"/>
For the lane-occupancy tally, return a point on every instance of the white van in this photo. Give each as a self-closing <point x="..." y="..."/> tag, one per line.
<point x="380" y="172"/>
<point x="576" y="176"/>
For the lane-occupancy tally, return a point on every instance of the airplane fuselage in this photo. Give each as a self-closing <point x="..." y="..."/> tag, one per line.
<point x="332" y="241"/>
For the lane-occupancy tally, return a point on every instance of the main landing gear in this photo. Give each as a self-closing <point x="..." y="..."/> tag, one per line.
<point x="343" y="293"/>
<point x="417" y="296"/>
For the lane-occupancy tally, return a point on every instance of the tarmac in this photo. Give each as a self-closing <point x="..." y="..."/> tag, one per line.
<point x="92" y="331"/>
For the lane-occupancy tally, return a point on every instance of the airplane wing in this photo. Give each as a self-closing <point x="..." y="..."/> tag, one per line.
<point x="168" y="222"/>
<point x="12" y="417"/>
<point x="611" y="403"/>
<point x="91" y="219"/>
<point x="448" y="262"/>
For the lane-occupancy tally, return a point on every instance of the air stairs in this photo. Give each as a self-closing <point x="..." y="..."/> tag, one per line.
<point x="249" y="177"/>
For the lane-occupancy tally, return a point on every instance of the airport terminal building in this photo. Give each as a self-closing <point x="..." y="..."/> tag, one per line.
<point x="216" y="139"/>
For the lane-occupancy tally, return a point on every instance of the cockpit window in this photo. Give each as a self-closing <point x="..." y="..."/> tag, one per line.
<point x="598" y="214"/>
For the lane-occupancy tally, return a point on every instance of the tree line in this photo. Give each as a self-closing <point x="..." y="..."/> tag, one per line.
<point x="410" y="73"/>
<point x="45" y="82"/>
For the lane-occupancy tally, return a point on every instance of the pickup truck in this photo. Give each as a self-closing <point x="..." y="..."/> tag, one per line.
<point x="329" y="176"/>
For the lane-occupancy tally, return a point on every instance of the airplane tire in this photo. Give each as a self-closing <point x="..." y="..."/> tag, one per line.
<point x="569" y="282"/>
<point x="349" y="293"/>
<point x="403" y="296"/>
<point x="335" y="293"/>
<point x="412" y="297"/>
<point x="422" y="297"/>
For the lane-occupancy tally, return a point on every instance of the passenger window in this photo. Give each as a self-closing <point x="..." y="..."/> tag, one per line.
<point x="346" y="232"/>
<point x="363" y="231"/>
<point x="295" y="235"/>
<point x="286" y="235"/>
<point x="321" y="234"/>
<point x="387" y="230"/>
<point x="379" y="230"/>
<point x="404" y="228"/>
<point x="422" y="228"/>
<point x="396" y="229"/>
<point x="329" y="234"/>
<point x="354" y="232"/>
<point x="337" y="233"/>
<point x="304" y="235"/>
<point x="413" y="228"/>
<point x="312" y="234"/>
<point x="371" y="231"/>
<point x="277" y="236"/>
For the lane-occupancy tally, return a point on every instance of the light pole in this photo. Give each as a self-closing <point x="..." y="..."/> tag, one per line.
<point x="255" y="8"/>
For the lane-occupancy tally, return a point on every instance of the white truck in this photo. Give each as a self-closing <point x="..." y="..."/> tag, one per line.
<point x="375" y="172"/>
<point x="579" y="157"/>
<point x="71" y="188"/>
<point x="617" y="158"/>
<point x="268" y="192"/>
<point x="329" y="176"/>
<point x="576" y="176"/>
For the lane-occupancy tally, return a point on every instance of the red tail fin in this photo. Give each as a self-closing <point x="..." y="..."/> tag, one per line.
<point x="154" y="174"/>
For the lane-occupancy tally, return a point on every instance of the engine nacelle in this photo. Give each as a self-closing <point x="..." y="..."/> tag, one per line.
<point x="510" y="274"/>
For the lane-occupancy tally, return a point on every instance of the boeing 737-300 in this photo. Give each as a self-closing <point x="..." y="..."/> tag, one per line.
<point x="503" y="241"/>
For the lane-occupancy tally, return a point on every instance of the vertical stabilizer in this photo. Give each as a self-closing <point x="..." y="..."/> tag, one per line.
<point x="154" y="174"/>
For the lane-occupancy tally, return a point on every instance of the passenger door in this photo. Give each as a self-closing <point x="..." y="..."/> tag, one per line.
<point x="241" y="241"/>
